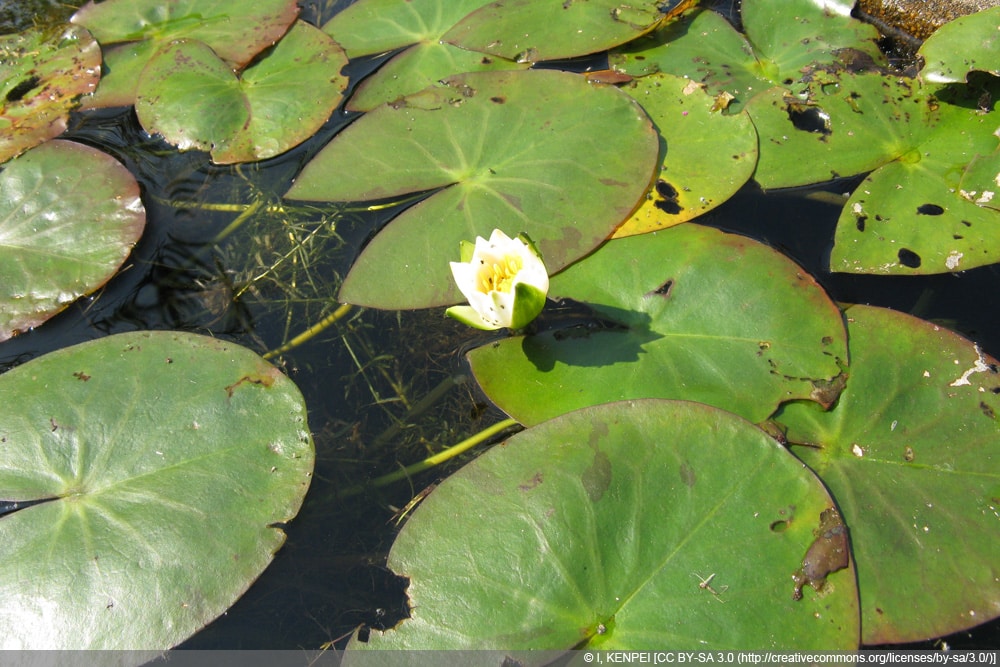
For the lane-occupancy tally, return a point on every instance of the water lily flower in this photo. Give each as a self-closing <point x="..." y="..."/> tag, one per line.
<point x="504" y="281"/>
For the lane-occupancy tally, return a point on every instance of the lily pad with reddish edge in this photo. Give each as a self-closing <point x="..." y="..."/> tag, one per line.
<point x="69" y="217"/>
<point x="43" y="73"/>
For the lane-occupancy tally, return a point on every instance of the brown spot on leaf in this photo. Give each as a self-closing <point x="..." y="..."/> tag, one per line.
<point x="607" y="77"/>
<point x="531" y="483"/>
<point x="826" y="392"/>
<point x="597" y="477"/>
<point x="610" y="182"/>
<point x="262" y="380"/>
<point x="688" y="475"/>
<point x="828" y="553"/>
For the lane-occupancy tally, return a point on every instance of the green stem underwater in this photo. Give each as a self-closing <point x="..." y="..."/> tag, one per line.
<point x="431" y="461"/>
<point x="311" y="331"/>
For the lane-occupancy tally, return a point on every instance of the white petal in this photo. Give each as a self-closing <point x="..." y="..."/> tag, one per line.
<point x="482" y="248"/>
<point x="465" y="275"/>
<point x="534" y="274"/>
<point x="483" y="304"/>
<point x="497" y="249"/>
<point x="503" y="305"/>
<point x="499" y="237"/>
<point x="468" y="315"/>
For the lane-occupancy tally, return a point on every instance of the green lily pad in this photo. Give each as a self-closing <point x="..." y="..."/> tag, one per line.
<point x="155" y="467"/>
<point x="368" y="27"/>
<point x="926" y="208"/>
<point x="932" y="209"/>
<point x="375" y="26"/>
<point x="792" y="37"/>
<point x="837" y="126"/>
<point x="961" y="46"/>
<point x="687" y="313"/>
<point x="708" y="156"/>
<point x="193" y="98"/>
<point x="539" y="152"/>
<point x="981" y="181"/>
<point x="713" y="59"/>
<point x="787" y="73"/>
<point x="69" y="216"/>
<point x="910" y="452"/>
<point x="420" y="66"/>
<point x="123" y="64"/>
<point x="613" y="528"/>
<point x="43" y="73"/>
<point x="784" y="40"/>
<point x="235" y="30"/>
<point x="530" y="31"/>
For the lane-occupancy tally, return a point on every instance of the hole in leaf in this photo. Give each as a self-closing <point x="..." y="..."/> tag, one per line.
<point x="669" y="194"/>
<point x="17" y="93"/>
<point x="929" y="209"/>
<point x="908" y="258"/>
<point x="664" y="289"/>
<point x="987" y="410"/>
<point x="860" y="222"/>
<point x="779" y="526"/>
<point x="810" y="119"/>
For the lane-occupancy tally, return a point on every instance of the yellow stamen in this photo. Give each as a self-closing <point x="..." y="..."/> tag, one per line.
<point x="499" y="277"/>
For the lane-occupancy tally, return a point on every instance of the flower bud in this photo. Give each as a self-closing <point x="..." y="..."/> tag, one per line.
<point x="504" y="281"/>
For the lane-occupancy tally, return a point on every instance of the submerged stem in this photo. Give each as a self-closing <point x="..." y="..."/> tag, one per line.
<point x="239" y="220"/>
<point x="418" y="408"/>
<point x="431" y="461"/>
<point x="310" y="332"/>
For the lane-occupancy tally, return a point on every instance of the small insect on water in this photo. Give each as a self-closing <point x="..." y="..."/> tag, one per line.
<point x="705" y="584"/>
